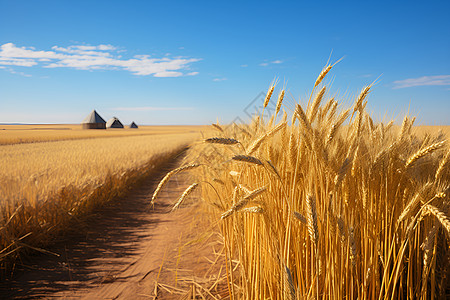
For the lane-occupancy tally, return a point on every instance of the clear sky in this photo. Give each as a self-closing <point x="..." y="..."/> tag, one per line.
<point x="193" y="62"/>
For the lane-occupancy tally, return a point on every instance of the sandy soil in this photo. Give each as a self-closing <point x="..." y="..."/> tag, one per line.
<point x="129" y="251"/>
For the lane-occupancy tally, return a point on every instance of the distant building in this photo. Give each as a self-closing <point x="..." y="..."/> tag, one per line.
<point x="133" y="125"/>
<point x="114" y="123"/>
<point x="93" y="121"/>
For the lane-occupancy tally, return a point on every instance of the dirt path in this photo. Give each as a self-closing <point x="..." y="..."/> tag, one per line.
<point x="130" y="251"/>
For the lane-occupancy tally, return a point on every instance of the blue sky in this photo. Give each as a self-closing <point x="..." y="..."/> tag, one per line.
<point x="193" y="62"/>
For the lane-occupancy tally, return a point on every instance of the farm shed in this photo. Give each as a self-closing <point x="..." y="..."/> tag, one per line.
<point x="93" y="121"/>
<point x="114" y="123"/>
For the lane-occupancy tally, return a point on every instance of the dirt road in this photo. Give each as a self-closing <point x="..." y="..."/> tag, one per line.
<point x="128" y="250"/>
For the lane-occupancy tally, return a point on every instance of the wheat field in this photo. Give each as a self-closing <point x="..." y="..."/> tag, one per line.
<point x="44" y="186"/>
<point x="325" y="203"/>
<point x="16" y="134"/>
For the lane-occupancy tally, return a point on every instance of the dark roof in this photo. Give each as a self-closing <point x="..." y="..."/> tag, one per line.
<point x="93" y="117"/>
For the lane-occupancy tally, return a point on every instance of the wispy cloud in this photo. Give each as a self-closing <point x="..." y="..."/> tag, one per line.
<point x="86" y="57"/>
<point x="152" y="108"/>
<point x="219" y="79"/>
<point x="267" y="63"/>
<point x="421" y="81"/>
<point x="12" y="71"/>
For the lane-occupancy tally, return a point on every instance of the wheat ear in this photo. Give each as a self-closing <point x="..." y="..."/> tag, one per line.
<point x="288" y="285"/>
<point x="280" y="100"/>
<point x="253" y="209"/>
<point x="440" y="215"/>
<point x="409" y="208"/>
<point x="316" y="104"/>
<point x="341" y="118"/>
<point x="322" y="75"/>
<point x="167" y="177"/>
<point x="300" y="114"/>
<point x="247" y="158"/>
<point x="313" y="229"/>
<point x="442" y="165"/>
<point x="421" y="153"/>
<point x="361" y="97"/>
<point x="353" y="249"/>
<point x="183" y="196"/>
<point x="255" y="145"/>
<point x="342" y="172"/>
<point x="268" y="95"/>
<point x="241" y="203"/>
<point x="224" y="141"/>
<point x="300" y="217"/>
<point x="217" y="126"/>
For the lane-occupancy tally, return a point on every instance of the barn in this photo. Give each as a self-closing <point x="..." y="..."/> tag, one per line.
<point x="93" y="121"/>
<point x="114" y="123"/>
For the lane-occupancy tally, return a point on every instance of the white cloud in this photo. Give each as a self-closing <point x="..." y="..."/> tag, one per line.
<point x="192" y="73"/>
<point x="87" y="57"/>
<point x="422" y="81"/>
<point x="17" y="62"/>
<point x="244" y="66"/>
<point x="164" y="74"/>
<point x="266" y="63"/>
<point x="151" y="108"/>
<point x="219" y="79"/>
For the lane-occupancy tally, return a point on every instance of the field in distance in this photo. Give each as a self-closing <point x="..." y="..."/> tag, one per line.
<point x="17" y="134"/>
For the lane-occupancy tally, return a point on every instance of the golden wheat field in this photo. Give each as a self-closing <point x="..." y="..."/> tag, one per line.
<point x="325" y="203"/>
<point x="320" y="203"/>
<point x="15" y="134"/>
<point x="45" y="185"/>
